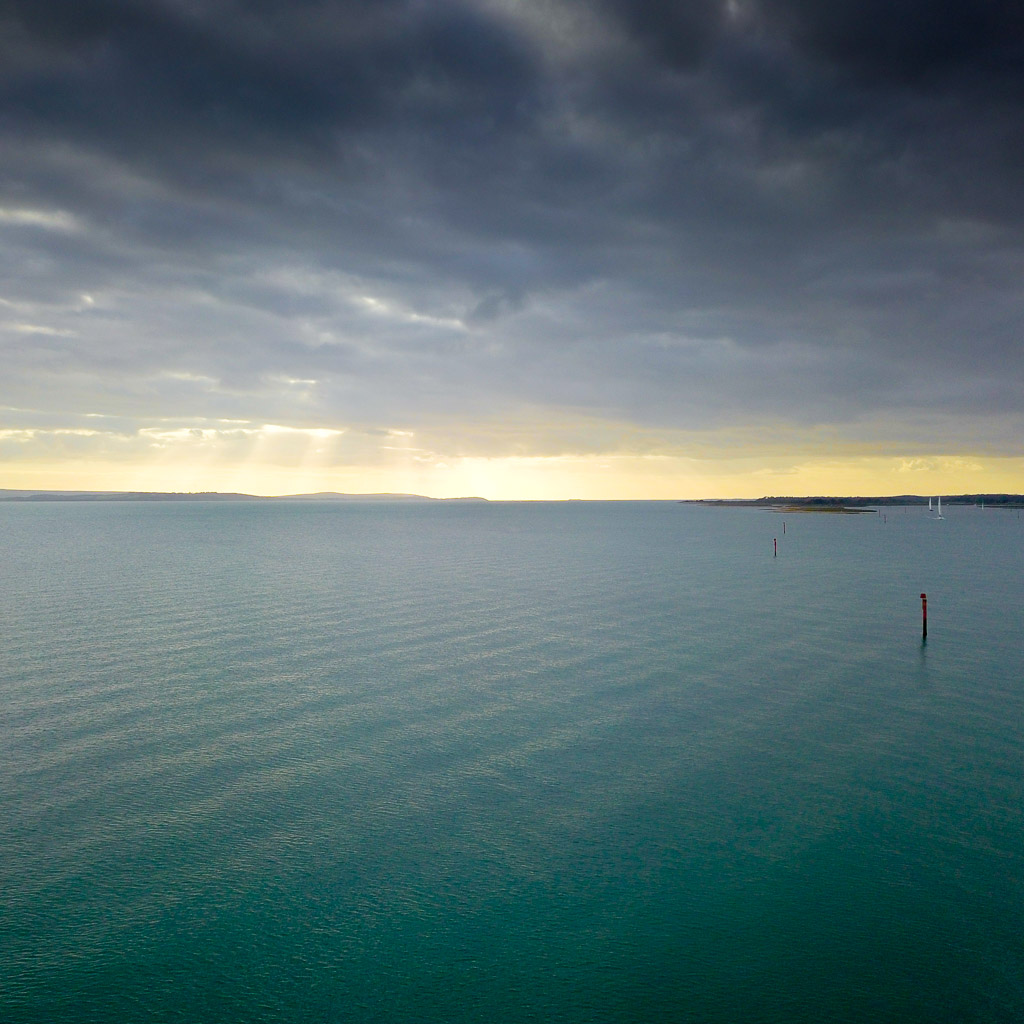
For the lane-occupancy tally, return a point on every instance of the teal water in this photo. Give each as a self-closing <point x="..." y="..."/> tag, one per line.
<point x="509" y="762"/>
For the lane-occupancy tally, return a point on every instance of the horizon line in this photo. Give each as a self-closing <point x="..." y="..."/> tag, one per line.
<point x="61" y="494"/>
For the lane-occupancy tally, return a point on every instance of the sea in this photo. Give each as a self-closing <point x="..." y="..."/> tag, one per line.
<point x="508" y="762"/>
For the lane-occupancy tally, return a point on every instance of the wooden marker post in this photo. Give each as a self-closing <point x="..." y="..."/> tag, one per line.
<point x="924" y="616"/>
<point x="775" y="541"/>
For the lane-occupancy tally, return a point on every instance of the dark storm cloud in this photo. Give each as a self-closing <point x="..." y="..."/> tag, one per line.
<point x="910" y="41"/>
<point x="678" y="34"/>
<point x="677" y="214"/>
<point x="282" y="79"/>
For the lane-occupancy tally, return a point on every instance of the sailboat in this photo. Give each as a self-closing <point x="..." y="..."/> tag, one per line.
<point x="939" y="513"/>
<point x="930" y="509"/>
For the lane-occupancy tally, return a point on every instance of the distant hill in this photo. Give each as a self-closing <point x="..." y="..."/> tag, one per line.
<point x="341" y="496"/>
<point x="28" y="495"/>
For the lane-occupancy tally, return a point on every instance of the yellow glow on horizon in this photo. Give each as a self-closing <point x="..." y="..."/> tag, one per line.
<point x="174" y="468"/>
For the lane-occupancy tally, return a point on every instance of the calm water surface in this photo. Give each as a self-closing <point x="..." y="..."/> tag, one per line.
<point x="509" y="762"/>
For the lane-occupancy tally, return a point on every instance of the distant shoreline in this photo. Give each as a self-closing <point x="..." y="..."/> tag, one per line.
<point x="319" y="496"/>
<point x="854" y="505"/>
<point x="850" y="505"/>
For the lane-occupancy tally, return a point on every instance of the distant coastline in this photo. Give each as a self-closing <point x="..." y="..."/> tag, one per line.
<point x="816" y="503"/>
<point x="854" y="505"/>
<point x="325" y="496"/>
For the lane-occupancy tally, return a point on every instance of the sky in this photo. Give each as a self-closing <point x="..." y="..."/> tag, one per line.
<point x="512" y="248"/>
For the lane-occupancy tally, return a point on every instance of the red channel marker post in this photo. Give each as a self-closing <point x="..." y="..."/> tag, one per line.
<point x="924" y="616"/>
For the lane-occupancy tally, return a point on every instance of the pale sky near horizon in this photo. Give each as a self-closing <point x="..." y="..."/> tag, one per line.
<point x="514" y="249"/>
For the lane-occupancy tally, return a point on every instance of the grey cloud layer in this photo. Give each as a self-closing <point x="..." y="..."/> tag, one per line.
<point x="675" y="215"/>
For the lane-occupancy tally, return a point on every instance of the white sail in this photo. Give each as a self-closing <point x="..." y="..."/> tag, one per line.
<point x="939" y="515"/>
<point x="930" y="509"/>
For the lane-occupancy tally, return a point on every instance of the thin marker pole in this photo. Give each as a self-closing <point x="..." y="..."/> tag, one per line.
<point x="775" y="541"/>
<point x="783" y="526"/>
<point x="924" y="617"/>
